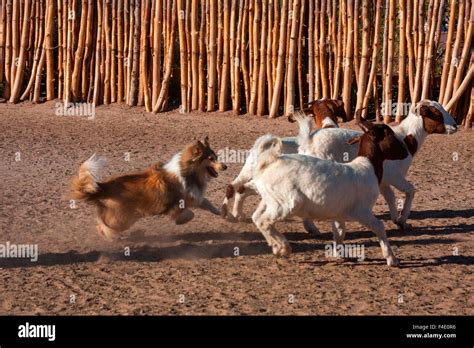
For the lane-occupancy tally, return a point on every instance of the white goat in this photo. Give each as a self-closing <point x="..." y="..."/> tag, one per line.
<point x="313" y="188"/>
<point x="427" y="117"/>
<point x="325" y="113"/>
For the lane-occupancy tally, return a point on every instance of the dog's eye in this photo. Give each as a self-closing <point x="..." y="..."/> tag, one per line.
<point x="210" y="158"/>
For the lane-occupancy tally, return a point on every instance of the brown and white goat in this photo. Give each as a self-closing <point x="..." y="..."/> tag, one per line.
<point x="324" y="112"/>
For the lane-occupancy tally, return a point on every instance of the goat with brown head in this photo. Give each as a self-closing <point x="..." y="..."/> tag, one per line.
<point x="378" y="143"/>
<point x="325" y="112"/>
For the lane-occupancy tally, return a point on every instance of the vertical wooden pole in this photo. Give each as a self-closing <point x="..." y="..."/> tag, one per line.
<point x="211" y="51"/>
<point x="224" y="83"/>
<point x="262" y="71"/>
<point x="20" y="70"/>
<point x="401" y="61"/>
<point x="290" y="97"/>
<point x="347" y="65"/>
<point x="255" y="65"/>
<point x="281" y="58"/>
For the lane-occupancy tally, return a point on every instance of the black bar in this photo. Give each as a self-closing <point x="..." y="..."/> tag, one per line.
<point x="242" y="330"/>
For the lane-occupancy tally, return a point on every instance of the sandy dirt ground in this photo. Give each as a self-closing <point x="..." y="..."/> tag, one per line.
<point x="193" y="269"/>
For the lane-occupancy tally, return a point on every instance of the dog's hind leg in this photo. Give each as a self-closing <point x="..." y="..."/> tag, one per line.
<point x="112" y="220"/>
<point x="107" y="232"/>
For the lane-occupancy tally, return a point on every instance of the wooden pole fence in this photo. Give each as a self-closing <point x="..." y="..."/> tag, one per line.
<point x="259" y="57"/>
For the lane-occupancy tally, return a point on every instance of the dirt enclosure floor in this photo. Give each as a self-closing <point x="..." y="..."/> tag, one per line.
<point x="193" y="269"/>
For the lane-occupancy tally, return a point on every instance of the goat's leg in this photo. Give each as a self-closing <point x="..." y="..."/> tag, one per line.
<point x="403" y="185"/>
<point x="374" y="224"/>
<point x="243" y="178"/>
<point x="338" y="231"/>
<point x="264" y="221"/>
<point x="389" y="197"/>
<point x="242" y="192"/>
<point x="256" y="216"/>
<point x="310" y="227"/>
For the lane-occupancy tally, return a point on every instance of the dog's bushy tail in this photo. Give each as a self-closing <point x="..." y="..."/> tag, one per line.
<point x="305" y="124"/>
<point x="85" y="184"/>
<point x="268" y="149"/>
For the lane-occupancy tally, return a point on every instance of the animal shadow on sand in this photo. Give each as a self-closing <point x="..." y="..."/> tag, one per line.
<point x="434" y="214"/>
<point x="191" y="246"/>
<point x="435" y="231"/>
<point x="201" y="245"/>
<point x="411" y="263"/>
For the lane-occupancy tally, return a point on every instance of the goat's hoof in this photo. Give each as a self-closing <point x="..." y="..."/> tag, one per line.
<point x="281" y="250"/>
<point x="231" y="218"/>
<point x="403" y="226"/>
<point x="241" y="218"/>
<point x="392" y="261"/>
<point x="224" y="211"/>
<point x="311" y="228"/>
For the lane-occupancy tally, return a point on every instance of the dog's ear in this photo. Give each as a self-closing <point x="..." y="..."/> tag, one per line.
<point x="206" y="141"/>
<point x="200" y="145"/>
<point x="197" y="150"/>
<point x="353" y="140"/>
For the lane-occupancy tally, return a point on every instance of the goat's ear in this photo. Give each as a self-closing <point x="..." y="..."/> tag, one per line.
<point x="308" y="111"/>
<point x="429" y="111"/>
<point x="424" y="110"/>
<point x="353" y="140"/>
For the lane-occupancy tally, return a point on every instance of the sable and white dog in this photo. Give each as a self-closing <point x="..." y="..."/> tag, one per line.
<point x="324" y="113"/>
<point x="163" y="189"/>
<point x="427" y="117"/>
<point x="313" y="188"/>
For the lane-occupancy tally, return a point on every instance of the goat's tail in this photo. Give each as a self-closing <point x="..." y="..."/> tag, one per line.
<point x="268" y="149"/>
<point x="85" y="184"/>
<point x="305" y="124"/>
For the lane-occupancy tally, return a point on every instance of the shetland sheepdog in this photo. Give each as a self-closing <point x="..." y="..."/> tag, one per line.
<point x="163" y="189"/>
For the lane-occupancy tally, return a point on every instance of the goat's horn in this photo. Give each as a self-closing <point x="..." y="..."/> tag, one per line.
<point x="361" y="122"/>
